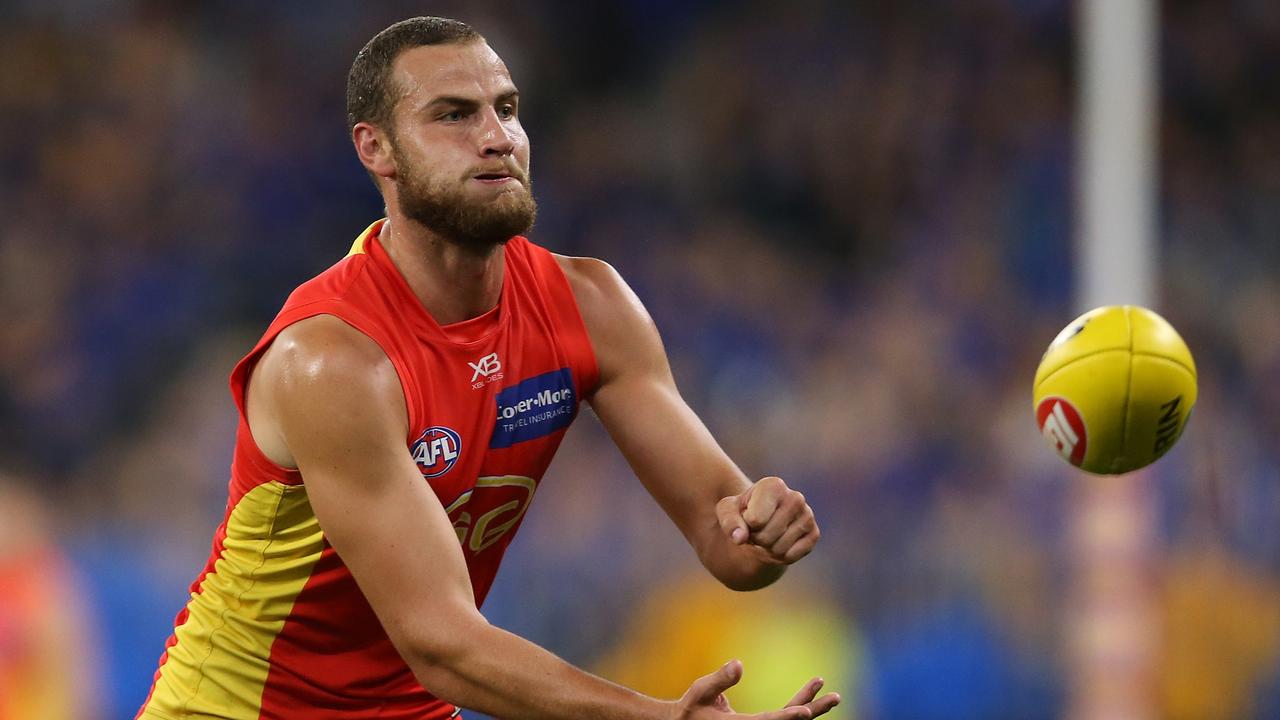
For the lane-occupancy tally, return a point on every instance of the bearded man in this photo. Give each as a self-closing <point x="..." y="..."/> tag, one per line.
<point x="397" y="417"/>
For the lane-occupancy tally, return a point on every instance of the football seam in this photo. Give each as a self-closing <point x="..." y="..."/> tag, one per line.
<point x="1179" y="363"/>
<point x="1128" y="392"/>
<point x="1115" y="349"/>
<point x="1076" y="359"/>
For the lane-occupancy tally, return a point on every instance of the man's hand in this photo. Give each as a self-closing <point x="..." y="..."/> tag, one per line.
<point x="705" y="699"/>
<point x="771" y="517"/>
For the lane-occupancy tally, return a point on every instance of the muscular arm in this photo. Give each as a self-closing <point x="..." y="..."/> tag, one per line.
<point x="694" y="481"/>
<point x="324" y="398"/>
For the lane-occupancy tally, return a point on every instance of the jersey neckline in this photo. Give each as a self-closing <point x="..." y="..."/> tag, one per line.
<point x="465" y="333"/>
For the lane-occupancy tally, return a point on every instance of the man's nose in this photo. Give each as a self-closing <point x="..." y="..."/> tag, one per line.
<point x="495" y="137"/>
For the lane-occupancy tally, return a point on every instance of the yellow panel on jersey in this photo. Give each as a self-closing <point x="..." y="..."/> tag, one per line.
<point x="357" y="247"/>
<point x="218" y="666"/>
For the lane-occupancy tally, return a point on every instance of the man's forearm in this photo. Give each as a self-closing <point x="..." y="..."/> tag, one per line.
<point x="504" y="675"/>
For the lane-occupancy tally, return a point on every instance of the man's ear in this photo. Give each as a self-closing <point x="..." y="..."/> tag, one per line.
<point x="373" y="147"/>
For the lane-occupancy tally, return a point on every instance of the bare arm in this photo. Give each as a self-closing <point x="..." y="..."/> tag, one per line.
<point x="744" y="534"/>
<point x="326" y="399"/>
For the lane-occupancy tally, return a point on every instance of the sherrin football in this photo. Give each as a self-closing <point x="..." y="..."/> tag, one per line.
<point x="1114" y="389"/>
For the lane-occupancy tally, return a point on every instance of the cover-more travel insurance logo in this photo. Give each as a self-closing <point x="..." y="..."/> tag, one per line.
<point x="536" y="407"/>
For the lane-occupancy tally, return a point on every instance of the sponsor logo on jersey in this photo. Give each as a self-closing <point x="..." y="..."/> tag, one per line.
<point x="436" y="451"/>
<point x="487" y="367"/>
<point x="536" y="407"/>
<point x="1063" y="428"/>
<point x="483" y="515"/>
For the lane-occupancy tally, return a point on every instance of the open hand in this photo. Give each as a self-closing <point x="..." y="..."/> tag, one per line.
<point x="772" y="517"/>
<point x="705" y="699"/>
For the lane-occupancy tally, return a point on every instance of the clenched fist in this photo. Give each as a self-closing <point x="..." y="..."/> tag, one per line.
<point x="771" y="517"/>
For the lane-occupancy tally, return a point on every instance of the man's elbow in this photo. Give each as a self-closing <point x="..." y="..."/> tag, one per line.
<point x="439" y="652"/>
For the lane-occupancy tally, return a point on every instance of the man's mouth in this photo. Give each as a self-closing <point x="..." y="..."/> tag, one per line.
<point x="495" y="177"/>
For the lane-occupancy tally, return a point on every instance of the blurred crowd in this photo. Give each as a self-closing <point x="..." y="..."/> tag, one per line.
<point x="852" y="224"/>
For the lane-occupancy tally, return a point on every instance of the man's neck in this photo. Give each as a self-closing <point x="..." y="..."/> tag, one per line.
<point x="453" y="282"/>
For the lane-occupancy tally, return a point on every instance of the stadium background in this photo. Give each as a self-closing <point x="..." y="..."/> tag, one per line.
<point x="853" y="225"/>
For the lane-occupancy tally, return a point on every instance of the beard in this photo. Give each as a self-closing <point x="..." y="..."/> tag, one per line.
<point x="445" y="209"/>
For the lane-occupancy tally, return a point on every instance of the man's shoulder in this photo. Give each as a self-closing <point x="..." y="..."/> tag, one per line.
<point x="325" y="358"/>
<point x="328" y="344"/>
<point x="311" y="368"/>
<point x="592" y="279"/>
<point x="621" y="330"/>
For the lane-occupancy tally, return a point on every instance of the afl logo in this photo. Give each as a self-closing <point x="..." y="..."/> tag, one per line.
<point x="436" y="451"/>
<point x="1062" y="428"/>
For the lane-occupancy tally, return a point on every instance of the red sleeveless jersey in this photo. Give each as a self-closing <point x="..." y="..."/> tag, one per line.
<point x="276" y="626"/>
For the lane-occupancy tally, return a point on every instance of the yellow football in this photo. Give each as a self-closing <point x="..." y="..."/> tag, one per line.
<point x="1115" y="389"/>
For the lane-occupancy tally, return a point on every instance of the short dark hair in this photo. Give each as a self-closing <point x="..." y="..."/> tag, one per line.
<point x="371" y="92"/>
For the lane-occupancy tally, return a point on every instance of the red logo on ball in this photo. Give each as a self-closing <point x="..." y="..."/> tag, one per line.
<point x="1062" y="428"/>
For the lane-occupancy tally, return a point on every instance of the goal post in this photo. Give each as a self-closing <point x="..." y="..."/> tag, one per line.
<point x="1112" y="627"/>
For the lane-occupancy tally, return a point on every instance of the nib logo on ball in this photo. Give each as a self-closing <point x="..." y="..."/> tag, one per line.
<point x="1063" y="429"/>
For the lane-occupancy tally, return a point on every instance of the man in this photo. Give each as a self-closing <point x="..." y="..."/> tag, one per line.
<point x="346" y="577"/>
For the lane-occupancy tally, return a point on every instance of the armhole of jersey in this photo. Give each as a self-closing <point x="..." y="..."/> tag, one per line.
<point x="239" y="380"/>
<point x="573" y="329"/>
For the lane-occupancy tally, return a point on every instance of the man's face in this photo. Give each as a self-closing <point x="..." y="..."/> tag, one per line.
<point x="462" y="158"/>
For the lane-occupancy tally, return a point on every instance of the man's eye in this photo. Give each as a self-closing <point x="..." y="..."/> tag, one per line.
<point x="454" y="116"/>
<point x="506" y="112"/>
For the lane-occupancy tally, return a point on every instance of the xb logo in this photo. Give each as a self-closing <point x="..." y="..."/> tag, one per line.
<point x="486" y="366"/>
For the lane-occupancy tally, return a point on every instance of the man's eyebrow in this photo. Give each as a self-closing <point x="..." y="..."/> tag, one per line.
<point x="464" y="102"/>
<point x="452" y="100"/>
